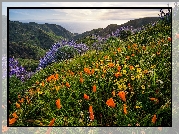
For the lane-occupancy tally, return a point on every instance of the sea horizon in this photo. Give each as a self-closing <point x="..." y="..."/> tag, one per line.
<point x="79" y="27"/>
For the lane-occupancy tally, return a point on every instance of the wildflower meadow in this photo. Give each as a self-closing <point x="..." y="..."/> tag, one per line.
<point x="125" y="82"/>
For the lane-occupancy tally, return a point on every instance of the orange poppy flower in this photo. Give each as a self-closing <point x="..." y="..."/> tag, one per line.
<point x="92" y="116"/>
<point x="67" y="84"/>
<point x="119" y="68"/>
<point x="21" y="100"/>
<point x="12" y="121"/>
<point x="49" y="79"/>
<point x="128" y="47"/>
<point x="56" y="76"/>
<point x="72" y="73"/>
<point x="169" y="39"/>
<point x="43" y="84"/>
<point x="145" y="71"/>
<point x="86" y="97"/>
<point x="81" y="80"/>
<point x="90" y="109"/>
<point x="122" y="95"/>
<point x="91" y="112"/>
<point x="110" y="103"/>
<point x="58" y="103"/>
<point x="131" y="67"/>
<point x="53" y="76"/>
<point x="134" y="45"/>
<point x="119" y="49"/>
<point x="154" y="118"/>
<point x="52" y="122"/>
<point x="125" y="109"/>
<point x="15" y="115"/>
<point x="133" y="55"/>
<point x="117" y="74"/>
<point x="94" y="88"/>
<point x="18" y="105"/>
<point x="111" y="64"/>
<point x="92" y="71"/>
<point x="154" y="99"/>
<point x="31" y="91"/>
<point x="87" y="70"/>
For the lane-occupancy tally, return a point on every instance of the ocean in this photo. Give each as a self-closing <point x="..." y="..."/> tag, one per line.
<point x="81" y="27"/>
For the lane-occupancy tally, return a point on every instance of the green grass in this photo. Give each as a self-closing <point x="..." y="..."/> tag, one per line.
<point x="150" y="78"/>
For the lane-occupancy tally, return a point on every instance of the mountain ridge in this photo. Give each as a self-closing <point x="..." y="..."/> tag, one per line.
<point x="136" y="23"/>
<point x="44" y="35"/>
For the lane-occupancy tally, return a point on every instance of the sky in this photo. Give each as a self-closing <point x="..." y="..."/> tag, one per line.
<point x="86" y="14"/>
<point x="80" y="14"/>
<point x="118" y="16"/>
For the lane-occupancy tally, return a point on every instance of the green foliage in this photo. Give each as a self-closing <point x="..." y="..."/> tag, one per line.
<point x="29" y="64"/>
<point x="124" y="34"/>
<point x="40" y="35"/>
<point x="25" y="51"/>
<point x="66" y="52"/>
<point x="143" y="61"/>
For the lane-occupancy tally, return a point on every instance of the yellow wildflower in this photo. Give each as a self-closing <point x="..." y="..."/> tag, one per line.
<point x="124" y="71"/>
<point x="138" y="76"/>
<point x="139" y="70"/>
<point x="132" y="77"/>
<point x="143" y="87"/>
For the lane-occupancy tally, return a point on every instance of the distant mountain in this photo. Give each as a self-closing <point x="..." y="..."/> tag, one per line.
<point x="32" y="40"/>
<point x="42" y="35"/>
<point x="103" y="32"/>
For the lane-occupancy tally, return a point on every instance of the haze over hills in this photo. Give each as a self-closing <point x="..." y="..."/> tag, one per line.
<point x="137" y="23"/>
<point x="35" y="39"/>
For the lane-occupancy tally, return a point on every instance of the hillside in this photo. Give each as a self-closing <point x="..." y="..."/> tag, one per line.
<point x="103" y="32"/>
<point x="32" y="40"/>
<point x="42" y="35"/>
<point x="23" y="50"/>
<point x="125" y="83"/>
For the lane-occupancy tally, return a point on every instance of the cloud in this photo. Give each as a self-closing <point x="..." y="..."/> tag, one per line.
<point x="119" y="14"/>
<point x="55" y="14"/>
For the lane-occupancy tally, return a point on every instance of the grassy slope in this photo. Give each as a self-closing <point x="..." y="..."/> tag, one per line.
<point x="155" y="58"/>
